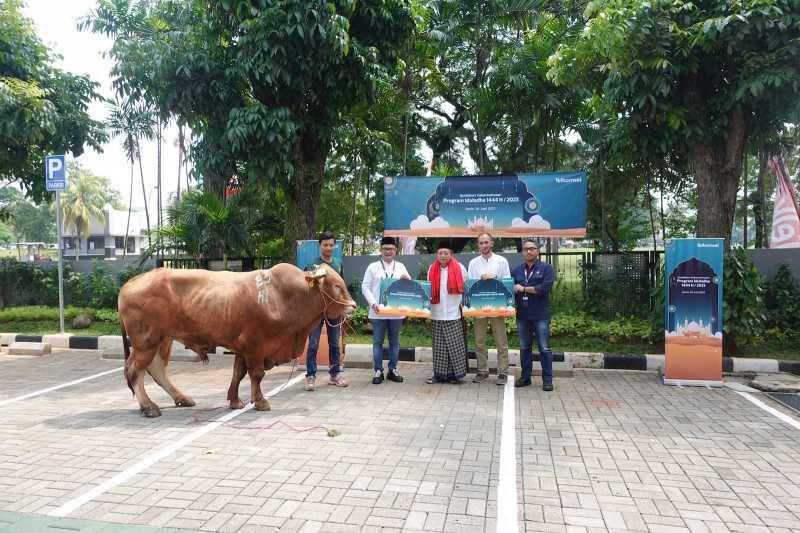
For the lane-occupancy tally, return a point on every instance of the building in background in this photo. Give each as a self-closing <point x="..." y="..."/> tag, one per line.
<point x="106" y="237"/>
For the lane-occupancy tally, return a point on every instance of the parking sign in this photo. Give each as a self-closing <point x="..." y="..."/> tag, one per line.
<point x="55" y="173"/>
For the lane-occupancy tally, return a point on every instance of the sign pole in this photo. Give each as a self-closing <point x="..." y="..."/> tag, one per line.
<point x="60" y="263"/>
<point x="55" y="179"/>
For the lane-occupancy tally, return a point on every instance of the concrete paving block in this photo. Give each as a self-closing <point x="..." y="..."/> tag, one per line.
<point x="59" y="340"/>
<point x="109" y="342"/>
<point x="584" y="359"/>
<point x="29" y="348"/>
<point x="745" y="364"/>
<point x="655" y="362"/>
<point x="560" y="370"/>
<point x="423" y="355"/>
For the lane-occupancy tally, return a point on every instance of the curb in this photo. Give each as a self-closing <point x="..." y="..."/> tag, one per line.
<point x="360" y="355"/>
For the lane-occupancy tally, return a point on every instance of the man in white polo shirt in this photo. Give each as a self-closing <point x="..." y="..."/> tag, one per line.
<point x="490" y="266"/>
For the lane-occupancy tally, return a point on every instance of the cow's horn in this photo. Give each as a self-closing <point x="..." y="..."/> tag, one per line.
<point x="319" y="273"/>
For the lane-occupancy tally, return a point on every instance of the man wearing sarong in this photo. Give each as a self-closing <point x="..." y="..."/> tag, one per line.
<point x="449" y="343"/>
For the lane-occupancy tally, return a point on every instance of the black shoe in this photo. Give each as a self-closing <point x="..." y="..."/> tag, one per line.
<point x="547" y="386"/>
<point x="378" y="379"/>
<point x="394" y="376"/>
<point x="502" y="379"/>
<point x="480" y="376"/>
<point x="522" y="382"/>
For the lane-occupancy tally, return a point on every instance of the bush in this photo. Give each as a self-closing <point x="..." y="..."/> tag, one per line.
<point x="744" y="313"/>
<point x="782" y="299"/>
<point x="26" y="284"/>
<point x="36" y="313"/>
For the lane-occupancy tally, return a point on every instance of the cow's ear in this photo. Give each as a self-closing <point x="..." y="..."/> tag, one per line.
<point x="320" y="273"/>
<point x="309" y="277"/>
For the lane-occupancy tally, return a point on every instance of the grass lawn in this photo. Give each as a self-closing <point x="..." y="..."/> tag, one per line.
<point x="46" y="327"/>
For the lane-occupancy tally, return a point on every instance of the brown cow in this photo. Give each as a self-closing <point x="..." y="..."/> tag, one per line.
<point x="264" y="317"/>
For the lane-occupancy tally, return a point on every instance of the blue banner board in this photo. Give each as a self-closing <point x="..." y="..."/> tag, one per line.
<point x="693" y="311"/>
<point x="308" y="253"/>
<point x="489" y="297"/>
<point x="405" y="297"/>
<point x="510" y="205"/>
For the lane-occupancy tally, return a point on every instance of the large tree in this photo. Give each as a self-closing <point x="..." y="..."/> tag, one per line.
<point x="263" y="85"/>
<point x="690" y="79"/>
<point x="43" y="110"/>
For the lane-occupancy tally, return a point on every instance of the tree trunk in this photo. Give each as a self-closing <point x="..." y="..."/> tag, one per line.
<point x="180" y="161"/>
<point x="759" y="206"/>
<point x="128" y="223"/>
<point x="158" y="181"/>
<point x="144" y="192"/>
<point x="745" y="201"/>
<point x="304" y="192"/>
<point x="717" y="167"/>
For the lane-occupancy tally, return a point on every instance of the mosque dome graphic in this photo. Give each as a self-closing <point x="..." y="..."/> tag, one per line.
<point x="693" y="300"/>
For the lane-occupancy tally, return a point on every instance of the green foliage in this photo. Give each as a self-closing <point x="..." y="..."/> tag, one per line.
<point x="744" y="312"/>
<point x="677" y="81"/>
<point x="43" y="110"/>
<point x="782" y="300"/>
<point x="202" y="225"/>
<point x="262" y="85"/>
<point x="41" y="313"/>
<point x="26" y="221"/>
<point x="23" y="284"/>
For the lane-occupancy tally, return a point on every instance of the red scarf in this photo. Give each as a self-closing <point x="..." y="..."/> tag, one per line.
<point x="455" y="280"/>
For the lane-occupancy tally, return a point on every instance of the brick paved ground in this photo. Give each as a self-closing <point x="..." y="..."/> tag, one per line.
<point x="606" y="451"/>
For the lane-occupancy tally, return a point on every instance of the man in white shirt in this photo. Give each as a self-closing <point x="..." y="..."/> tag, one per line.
<point x="382" y="326"/>
<point x="489" y="265"/>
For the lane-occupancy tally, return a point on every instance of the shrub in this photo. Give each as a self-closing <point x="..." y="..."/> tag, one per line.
<point x="782" y="299"/>
<point x="744" y="313"/>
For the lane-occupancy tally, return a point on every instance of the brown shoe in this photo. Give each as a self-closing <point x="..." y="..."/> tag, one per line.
<point x="480" y="377"/>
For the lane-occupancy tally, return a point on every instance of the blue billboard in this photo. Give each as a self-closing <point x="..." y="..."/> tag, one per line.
<point x="512" y="205"/>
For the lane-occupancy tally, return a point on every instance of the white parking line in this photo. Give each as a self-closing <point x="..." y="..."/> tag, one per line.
<point x="507" y="486"/>
<point x="63" y="385"/>
<point x="125" y="475"/>
<point x="783" y="417"/>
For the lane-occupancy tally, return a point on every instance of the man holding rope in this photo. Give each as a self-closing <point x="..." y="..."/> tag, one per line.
<point x="327" y="243"/>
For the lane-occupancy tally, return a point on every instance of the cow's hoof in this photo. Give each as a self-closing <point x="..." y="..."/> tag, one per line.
<point x="237" y="404"/>
<point x="262" y="405"/>
<point x="151" y="412"/>
<point x="185" y="402"/>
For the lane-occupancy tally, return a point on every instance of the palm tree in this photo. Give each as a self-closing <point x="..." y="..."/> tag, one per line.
<point x="131" y="122"/>
<point x="200" y="223"/>
<point x="83" y="200"/>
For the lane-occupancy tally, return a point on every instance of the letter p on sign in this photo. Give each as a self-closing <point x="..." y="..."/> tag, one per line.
<point x="55" y="173"/>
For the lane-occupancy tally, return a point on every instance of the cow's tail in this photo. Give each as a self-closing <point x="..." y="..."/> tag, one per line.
<point x="126" y="346"/>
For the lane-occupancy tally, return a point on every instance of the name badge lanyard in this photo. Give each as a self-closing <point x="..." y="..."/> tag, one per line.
<point x="389" y="274"/>
<point x="527" y="280"/>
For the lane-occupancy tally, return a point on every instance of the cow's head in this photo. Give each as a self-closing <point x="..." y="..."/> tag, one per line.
<point x="334" y="291"/>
